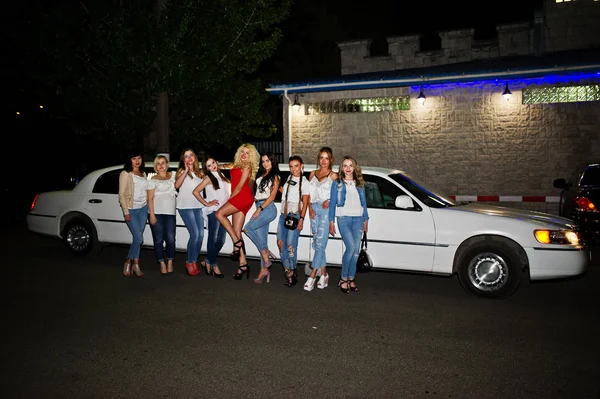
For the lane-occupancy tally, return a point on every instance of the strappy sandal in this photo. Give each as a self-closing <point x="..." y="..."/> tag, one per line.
<point x="238" y="246"/>
<point x="352" y="285"/>
<point x="341" y="283"/>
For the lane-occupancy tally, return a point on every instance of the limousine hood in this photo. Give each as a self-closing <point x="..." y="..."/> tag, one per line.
<point x="519" y="214"/>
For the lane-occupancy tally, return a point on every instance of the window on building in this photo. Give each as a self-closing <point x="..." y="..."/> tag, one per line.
<point x="569" y="94"/>
<point x="379" y="47"/>
<point x="378" y="104"/>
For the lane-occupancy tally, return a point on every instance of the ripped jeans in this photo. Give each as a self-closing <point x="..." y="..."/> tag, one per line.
<point x="289" y="247"/>
<point x="320" y="232"/>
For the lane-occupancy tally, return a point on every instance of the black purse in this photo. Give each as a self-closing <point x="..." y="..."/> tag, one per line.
<point x="364" y="263"/>
<point x="291" y="222"/>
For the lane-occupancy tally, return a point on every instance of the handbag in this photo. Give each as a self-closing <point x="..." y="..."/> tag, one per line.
<point x="364" y="262"/>
<point x="291" y="221"/>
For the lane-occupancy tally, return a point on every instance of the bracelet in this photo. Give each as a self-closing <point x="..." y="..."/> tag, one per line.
<point x="261" y="208"/>
<point x="302" y="217"/>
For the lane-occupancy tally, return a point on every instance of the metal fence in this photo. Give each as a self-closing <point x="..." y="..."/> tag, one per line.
<point x="276" y="147"/>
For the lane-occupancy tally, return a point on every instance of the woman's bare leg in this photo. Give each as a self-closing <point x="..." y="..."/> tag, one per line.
<point x="221" y="216"/>
<point x="238" y="223"/>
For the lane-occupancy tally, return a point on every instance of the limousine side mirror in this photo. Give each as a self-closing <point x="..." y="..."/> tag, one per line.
<point x="404" y="202"/>
<point x="561" y="183"/>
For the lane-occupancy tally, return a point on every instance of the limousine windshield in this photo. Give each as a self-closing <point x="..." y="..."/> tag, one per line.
<point x="426" y="196"/>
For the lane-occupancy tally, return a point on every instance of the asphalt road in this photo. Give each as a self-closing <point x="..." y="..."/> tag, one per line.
<point x="75" y="328"/>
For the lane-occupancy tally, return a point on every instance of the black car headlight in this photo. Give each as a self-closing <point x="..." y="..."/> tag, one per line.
<point x="564" y="237"/>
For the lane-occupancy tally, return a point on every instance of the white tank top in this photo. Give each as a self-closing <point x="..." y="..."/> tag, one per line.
<point x="221" y="195"/>
<point x="185" y="199"/>
<point x="320" y="191"/>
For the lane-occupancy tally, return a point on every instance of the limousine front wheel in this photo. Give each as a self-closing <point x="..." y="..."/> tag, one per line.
<point x="79" y="237"/>
<point x="491" y="269"/>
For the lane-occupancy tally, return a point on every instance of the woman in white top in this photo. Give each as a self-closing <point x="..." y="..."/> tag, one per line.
<point x="348" y="201"/>
<point x="217" y="189"/>
<point x="187" y="179"/>
<point x="257" y="229"/>
<point x="133" y="197"/>
<point x="320" y="191"/>
<point x="294" y="203"/>
<point x="161" y="205"/>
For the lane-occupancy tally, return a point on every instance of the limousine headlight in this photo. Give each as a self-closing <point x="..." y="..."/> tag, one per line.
<point x="557" y="237"/>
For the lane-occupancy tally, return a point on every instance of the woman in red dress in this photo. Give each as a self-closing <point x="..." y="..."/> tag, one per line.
<point x="243" y="173"/>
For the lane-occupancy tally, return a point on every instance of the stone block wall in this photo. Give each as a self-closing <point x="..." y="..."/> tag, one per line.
<point x="465" y="140"/>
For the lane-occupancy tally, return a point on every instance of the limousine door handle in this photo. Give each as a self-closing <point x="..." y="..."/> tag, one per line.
<point x="95" y="201"/>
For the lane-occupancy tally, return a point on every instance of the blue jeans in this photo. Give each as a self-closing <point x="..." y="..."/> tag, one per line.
<point x="215" y="239"/>
<point x="289" y="248"/>
<point x="320" y="232"/>
<point x="194" y="223"/>
<point x="351" y="231"/>
<point x="258" y="229"/>
<point x="163" y="233"/>
<point x="137" y="225"/>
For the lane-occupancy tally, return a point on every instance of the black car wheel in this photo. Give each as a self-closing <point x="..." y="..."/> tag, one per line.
<point x="79" y="237"/>
<point x="490" y="269"/>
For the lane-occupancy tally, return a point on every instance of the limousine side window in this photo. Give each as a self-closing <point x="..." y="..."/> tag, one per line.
<point x="381" y="193"/>
<point x="108" y="183"/>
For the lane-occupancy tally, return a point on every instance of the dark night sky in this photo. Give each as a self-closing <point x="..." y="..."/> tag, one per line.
<point x="309" y="48"/>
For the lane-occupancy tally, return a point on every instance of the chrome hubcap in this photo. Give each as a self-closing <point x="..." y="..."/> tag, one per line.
<point x="488" y="271"/>
<point x="78" y="238"/>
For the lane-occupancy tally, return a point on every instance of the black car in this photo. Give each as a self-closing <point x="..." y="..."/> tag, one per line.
<point x="580" y="199"/>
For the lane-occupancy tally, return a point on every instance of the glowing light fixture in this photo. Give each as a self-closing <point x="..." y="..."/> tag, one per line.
<point x="421" y="98"/>
<point x="18" y="113"/>
<point x="507" y="93"/>
<point x="296" y="104"/>
<point x="41" y="106"/>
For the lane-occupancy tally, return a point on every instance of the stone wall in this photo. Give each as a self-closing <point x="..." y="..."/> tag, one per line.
<point x="466" y="139"/>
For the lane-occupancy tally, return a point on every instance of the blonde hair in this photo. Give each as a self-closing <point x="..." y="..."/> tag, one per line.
<point x="253" y="159"/>
<point x="158" y="158"/>
<point x="357" y="173"/>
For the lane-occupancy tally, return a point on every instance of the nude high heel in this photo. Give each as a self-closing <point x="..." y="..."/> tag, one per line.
<point x="127" y="268"/>
<point x="136" y="269"/>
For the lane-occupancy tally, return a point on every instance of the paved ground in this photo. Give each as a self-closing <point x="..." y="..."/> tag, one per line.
<point x="77" y="328"/>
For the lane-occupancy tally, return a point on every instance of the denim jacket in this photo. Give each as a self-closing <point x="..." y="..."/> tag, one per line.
<point x="338" y="198"/>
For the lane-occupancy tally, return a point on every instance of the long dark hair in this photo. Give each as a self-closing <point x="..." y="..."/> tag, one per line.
<point x="132" y="154"/>
<point x="213" y="180"/>
<point x="273" y="173"/>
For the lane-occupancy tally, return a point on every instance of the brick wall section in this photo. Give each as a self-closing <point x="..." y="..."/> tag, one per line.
<point x="465" y="141"/>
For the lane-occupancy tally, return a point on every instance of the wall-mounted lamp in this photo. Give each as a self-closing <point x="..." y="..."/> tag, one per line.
<point x="421" y="98"/>
<point x="507" y="93"/>
<point x="296" y="104"/>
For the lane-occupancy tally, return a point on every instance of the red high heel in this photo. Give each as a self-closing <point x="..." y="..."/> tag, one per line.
<point x="136" y="269"/>
<point x="192" y="269"/>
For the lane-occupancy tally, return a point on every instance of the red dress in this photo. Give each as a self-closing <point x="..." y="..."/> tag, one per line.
<point x="244" y="199"/>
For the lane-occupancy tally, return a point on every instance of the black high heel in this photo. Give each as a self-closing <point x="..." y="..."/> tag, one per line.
<point x="291" y="277"/>
<point x="235" y="255"/>
<point x="204" y="266"/>
<point x="242" y="269"/>
<point x="345" y="290"/>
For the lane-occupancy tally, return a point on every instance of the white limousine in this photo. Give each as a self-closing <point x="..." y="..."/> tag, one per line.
<point x="411" y="228"/>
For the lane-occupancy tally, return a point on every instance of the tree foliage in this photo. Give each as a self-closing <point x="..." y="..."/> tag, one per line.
<point x="102" y="62"/>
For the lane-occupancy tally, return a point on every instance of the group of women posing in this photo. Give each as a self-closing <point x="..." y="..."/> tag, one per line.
<point x="204" y="191"/>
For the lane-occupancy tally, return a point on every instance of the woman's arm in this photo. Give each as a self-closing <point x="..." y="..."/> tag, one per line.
<point x="123" y="183"/>
<point x="198" y="190"/>
<point x="363" y="202"/>
<point x="332" y="206"/>
<point x="180" y="177"/>
<point x="150" y="194"/>
<point x="305" y="200"/>
<point x="243" y="180"/>
<point x="333" y="176"/>
<point x="311" y="212"/>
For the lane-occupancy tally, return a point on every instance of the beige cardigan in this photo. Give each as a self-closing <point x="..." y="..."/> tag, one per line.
<point x="126" y="191"/>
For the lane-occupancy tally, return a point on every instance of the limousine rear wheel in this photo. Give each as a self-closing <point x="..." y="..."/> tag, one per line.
<point x="79" y="237"/>
<point x="490" y="268"/>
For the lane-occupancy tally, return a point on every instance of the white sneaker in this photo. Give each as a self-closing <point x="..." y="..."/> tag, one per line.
<point x="323" y="282"/>
<point x="310" y="284"/>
